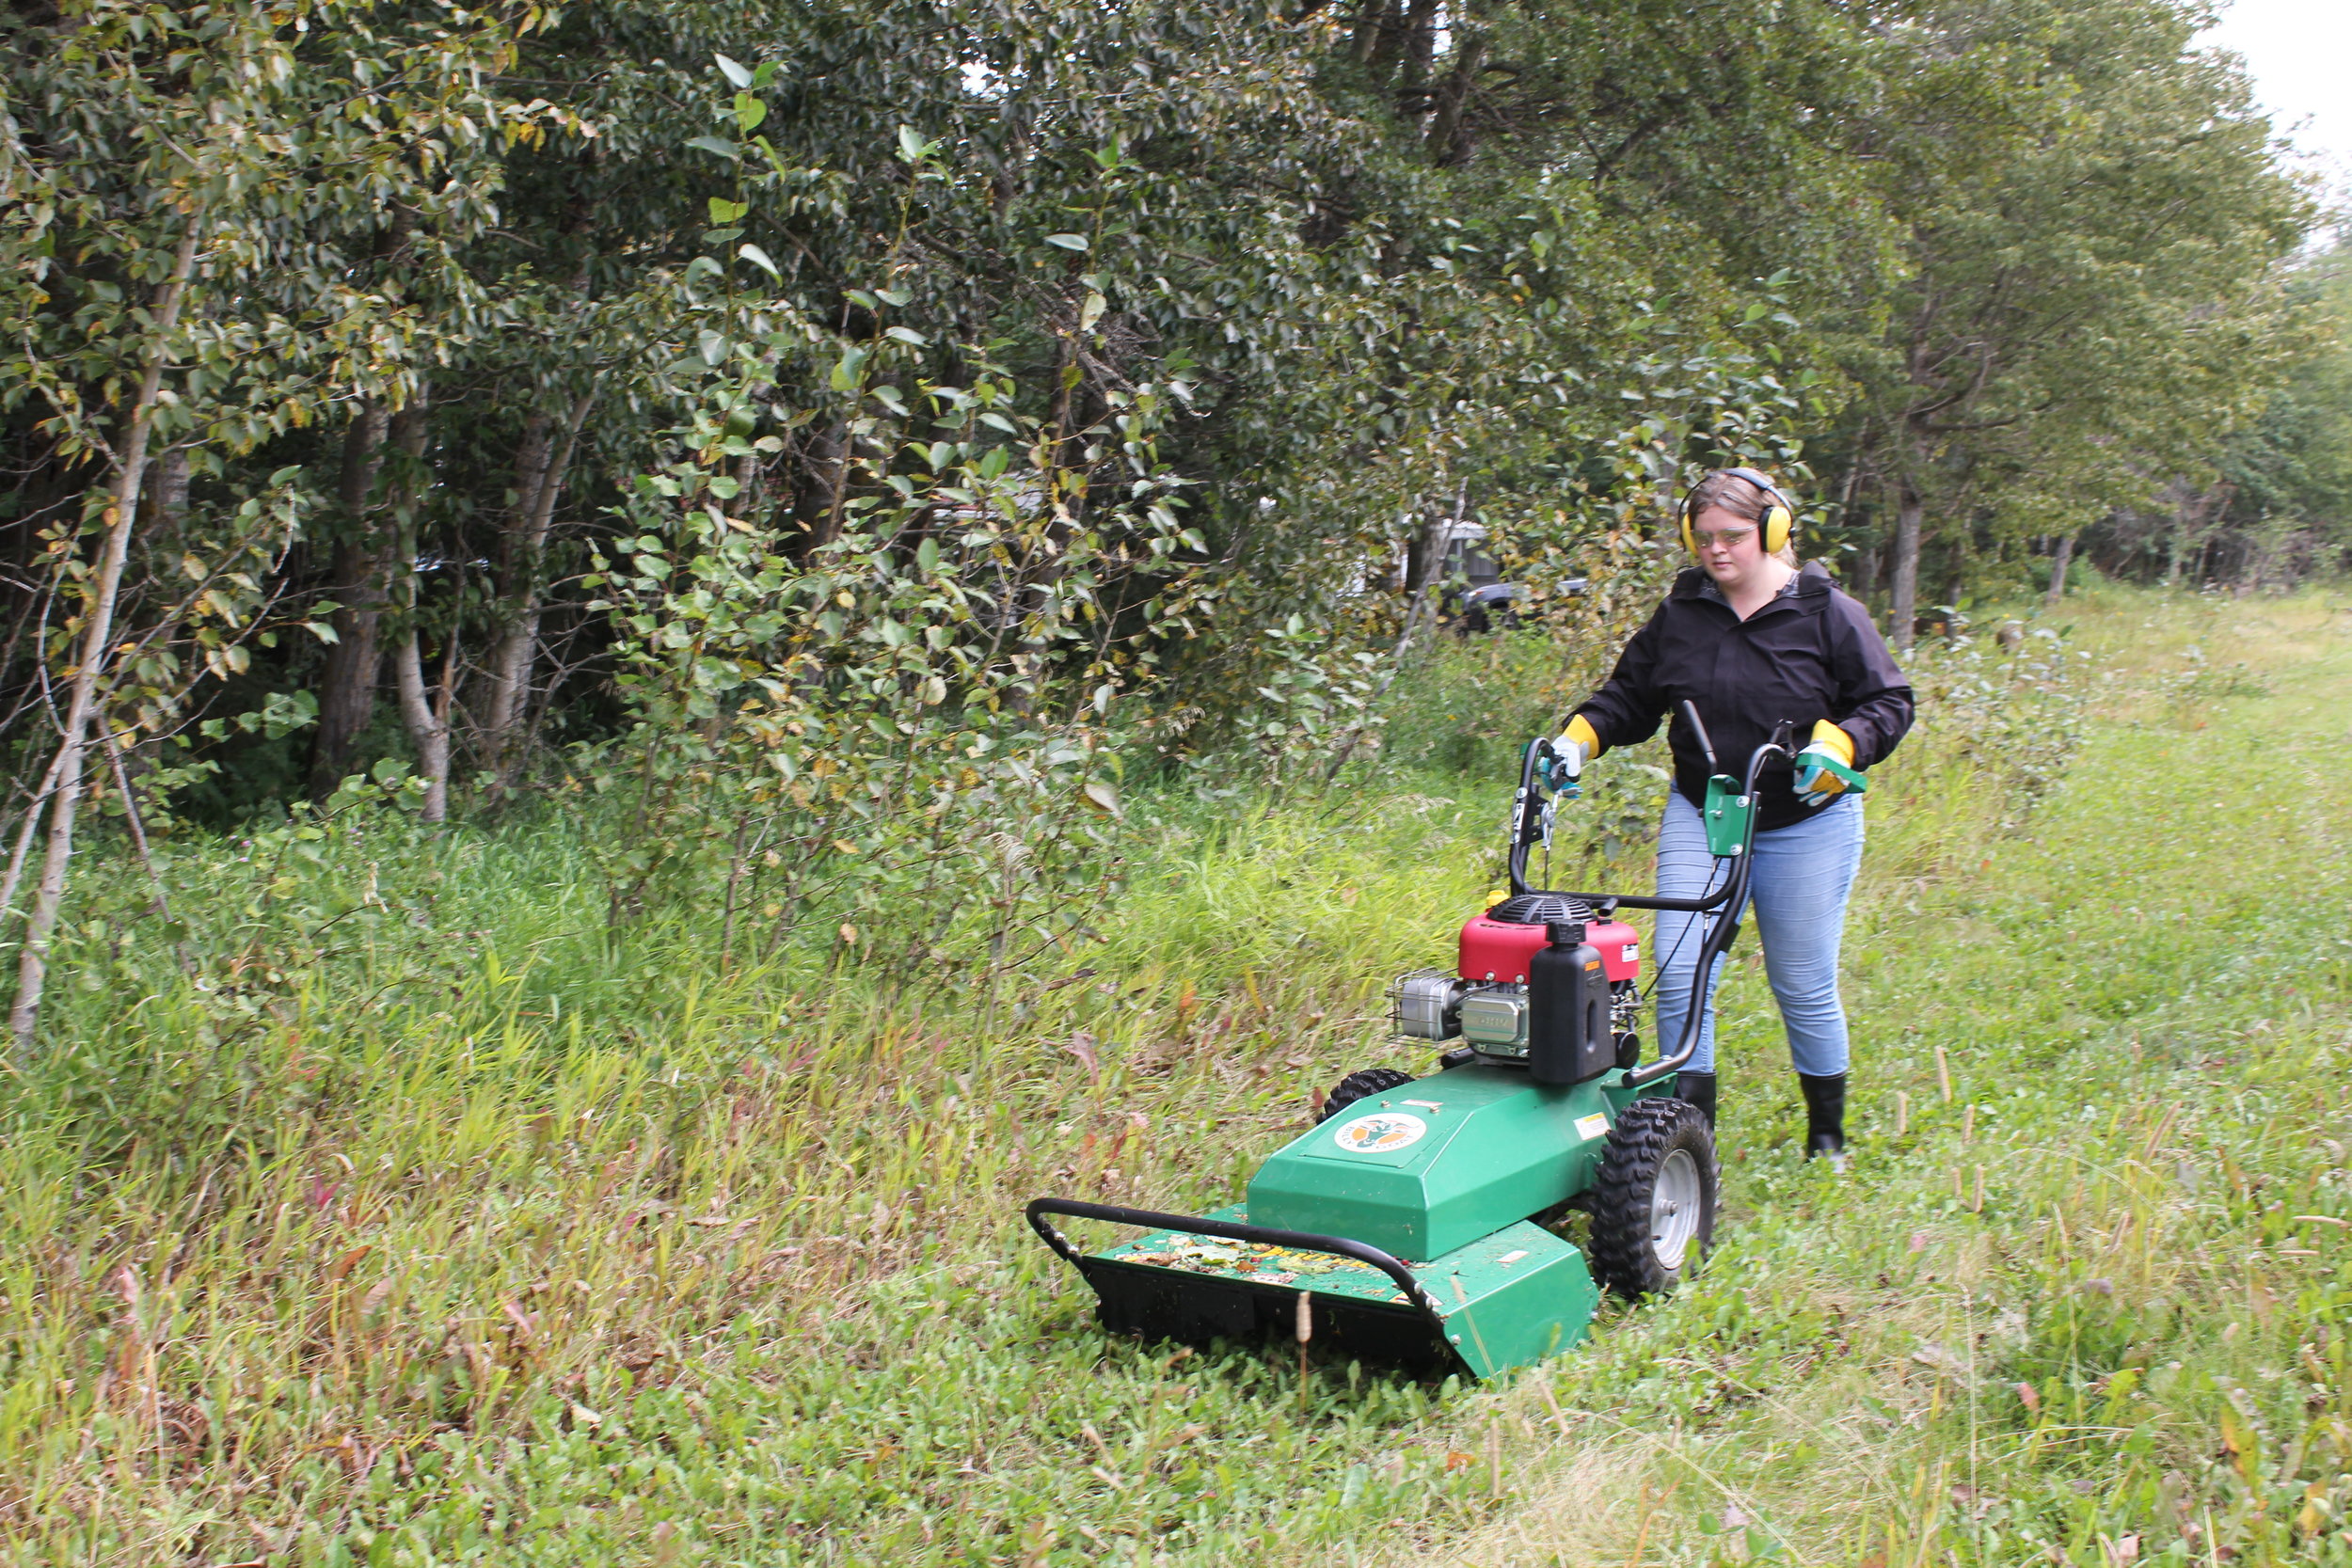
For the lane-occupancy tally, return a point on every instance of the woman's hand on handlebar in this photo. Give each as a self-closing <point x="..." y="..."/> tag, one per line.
<point x="1825" y="767"/>
<point x="1576" y="746"/>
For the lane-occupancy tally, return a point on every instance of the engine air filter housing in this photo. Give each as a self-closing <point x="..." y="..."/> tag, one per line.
<point x="1541" y="908"/>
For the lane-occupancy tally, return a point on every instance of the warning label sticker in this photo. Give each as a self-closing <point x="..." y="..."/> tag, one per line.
<point x="1594" y="1126"/>
<point x="1381" y="1133"/>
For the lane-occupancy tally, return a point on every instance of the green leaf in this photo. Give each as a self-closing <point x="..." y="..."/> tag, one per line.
<point x="724" y="211"/>
<point x="715" y="144"/>
<point x="913" y="148"/>
<point x="759" y="258"/>
<point x="1068" y="242"/>
<point x="739" y="75"/>
<point x="748" y="111"/>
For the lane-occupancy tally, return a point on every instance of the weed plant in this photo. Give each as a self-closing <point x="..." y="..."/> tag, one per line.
<point x="431" y="1220"/>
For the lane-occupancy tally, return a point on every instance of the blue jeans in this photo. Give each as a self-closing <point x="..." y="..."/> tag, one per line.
<point x="1802" y="875"/>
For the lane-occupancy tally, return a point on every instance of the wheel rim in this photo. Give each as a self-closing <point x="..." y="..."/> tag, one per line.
<point x="1674" y="1207"/>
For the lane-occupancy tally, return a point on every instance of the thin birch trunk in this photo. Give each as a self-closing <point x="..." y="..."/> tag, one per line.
<point x="428" y="724"/>
<point x="517" y="653"/>
<point x="1904" y="609"/>
<point x="32" y="971"/>
<point x="161" y="907"/>
<point x="426" y="719"/>
<point x="25" y="832"/>
<point x="2061" y="559"/>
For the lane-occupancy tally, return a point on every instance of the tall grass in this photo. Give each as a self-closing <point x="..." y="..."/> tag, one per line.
<point x="434" y="1222"/>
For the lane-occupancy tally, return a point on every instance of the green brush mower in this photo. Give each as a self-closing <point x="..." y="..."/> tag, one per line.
<point x="1411" y="1225"/>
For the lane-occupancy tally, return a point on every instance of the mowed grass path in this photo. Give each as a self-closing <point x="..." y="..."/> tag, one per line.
<point x="488" y="1241"/>
<point x="2087" y="1295"/>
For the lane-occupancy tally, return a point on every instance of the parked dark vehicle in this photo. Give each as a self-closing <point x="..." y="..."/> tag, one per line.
<point x="1474" y="597"/>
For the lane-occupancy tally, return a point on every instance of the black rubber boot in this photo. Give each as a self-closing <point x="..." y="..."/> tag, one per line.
<point x="1824" y="1116"/>
<point x="1697" y="1088"/>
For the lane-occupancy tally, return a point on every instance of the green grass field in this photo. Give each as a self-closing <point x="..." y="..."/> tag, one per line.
<point x="451" y="1229"/>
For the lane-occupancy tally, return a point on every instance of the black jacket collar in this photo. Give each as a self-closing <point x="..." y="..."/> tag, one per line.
<point x="1808" y="591"/>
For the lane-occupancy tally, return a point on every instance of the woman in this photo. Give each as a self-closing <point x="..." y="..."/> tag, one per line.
<point x="1753" y="642"/>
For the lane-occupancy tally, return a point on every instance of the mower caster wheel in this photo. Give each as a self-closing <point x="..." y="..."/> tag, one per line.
<point x="1653" y="1201"/>
<point x="1355" y="1086"/>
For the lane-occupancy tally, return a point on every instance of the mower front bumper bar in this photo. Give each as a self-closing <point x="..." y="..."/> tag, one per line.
<point x="1231" y="1230"/>
<point x="1521" y="1293"/>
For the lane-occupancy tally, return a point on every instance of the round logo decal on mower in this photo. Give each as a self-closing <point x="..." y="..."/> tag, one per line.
<point x="1381" y="1133"/>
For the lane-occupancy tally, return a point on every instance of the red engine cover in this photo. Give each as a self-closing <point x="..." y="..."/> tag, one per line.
<point x="1493" y="950"/>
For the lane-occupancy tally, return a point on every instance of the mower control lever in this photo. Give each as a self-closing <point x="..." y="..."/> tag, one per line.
<point x="1707" y="746"/>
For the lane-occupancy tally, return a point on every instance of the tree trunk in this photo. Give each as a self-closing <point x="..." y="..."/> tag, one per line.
<point x="24" y="831"/>
<point x="98" y="616"/>
<point x="825" y="461"/>
<point x="540" y="484"/>
<point x="427" y="718"/>
<point x="2061" y="558"/>
<point x="1420" y="47"/>
<point x="168" y="495"/>
<point x="426" y="715"/>
<point x="348" y="684"/>
<point x="1387" y="41"/>
<point x="1903" y="594"/>
<point x="1448" y="142"/>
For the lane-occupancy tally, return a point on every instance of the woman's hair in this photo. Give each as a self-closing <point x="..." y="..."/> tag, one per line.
<point x="1742" y="498"/>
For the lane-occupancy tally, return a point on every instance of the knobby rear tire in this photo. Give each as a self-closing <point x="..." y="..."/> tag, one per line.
<point x="1653" y="1201"/>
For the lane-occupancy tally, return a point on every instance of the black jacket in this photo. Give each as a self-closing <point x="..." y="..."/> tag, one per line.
<point x="1812" y="653"/>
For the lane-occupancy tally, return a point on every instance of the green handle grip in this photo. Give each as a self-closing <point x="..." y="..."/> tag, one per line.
<point x="1855" y="782"/>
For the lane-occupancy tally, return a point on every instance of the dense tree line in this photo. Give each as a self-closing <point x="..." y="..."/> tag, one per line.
<point x="884" y="421"/>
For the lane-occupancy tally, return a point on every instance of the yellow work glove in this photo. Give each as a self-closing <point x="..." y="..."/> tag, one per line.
<point x="1825" y="768"/>
<point x="1576" y="746"/>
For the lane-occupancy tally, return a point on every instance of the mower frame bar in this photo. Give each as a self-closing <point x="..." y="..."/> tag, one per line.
<point x="1720" y="935"/>
<point x="1302" y="1241"/>
<point x="1734" y="891"/>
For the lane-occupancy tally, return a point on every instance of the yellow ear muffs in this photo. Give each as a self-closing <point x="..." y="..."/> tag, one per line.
<point x="1779" y="522"/>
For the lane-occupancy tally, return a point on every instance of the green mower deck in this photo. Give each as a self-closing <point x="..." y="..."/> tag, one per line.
<point x="1404" y="1219"/>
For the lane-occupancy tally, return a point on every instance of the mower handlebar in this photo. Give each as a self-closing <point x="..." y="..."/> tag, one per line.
<point x="1525" y="828"/>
